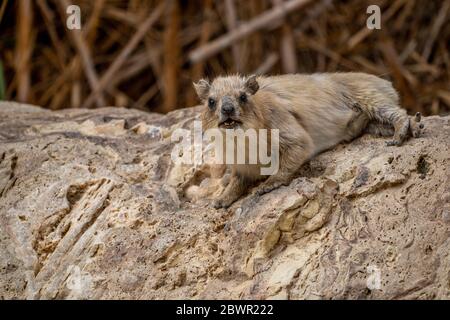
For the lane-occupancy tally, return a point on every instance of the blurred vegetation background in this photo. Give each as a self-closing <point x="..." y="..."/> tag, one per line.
<point x="145" y="54"/>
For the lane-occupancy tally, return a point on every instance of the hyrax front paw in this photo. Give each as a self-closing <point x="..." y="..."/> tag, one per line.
<point x="221" y="203"/>
<point x="393" y="143"/>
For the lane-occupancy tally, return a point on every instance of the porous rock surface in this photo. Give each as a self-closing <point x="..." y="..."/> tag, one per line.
<point x="92" y="207"/>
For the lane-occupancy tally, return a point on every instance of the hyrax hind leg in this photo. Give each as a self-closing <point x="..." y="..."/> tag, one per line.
<point x="398" y="120"/>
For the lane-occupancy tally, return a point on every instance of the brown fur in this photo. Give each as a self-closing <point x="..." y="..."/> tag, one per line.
<point x="313" y="113"/>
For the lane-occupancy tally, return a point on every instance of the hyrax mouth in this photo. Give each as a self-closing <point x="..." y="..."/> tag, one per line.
<point x="229" y="123"/>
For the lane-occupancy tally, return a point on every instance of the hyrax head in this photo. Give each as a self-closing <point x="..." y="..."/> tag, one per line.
<point x="228" y="101"/>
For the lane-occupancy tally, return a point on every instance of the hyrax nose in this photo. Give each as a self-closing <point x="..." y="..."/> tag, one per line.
<point x="227" y="108"/>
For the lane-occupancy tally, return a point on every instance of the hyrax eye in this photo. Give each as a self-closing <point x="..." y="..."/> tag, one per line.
<point x="211" y="103"/>
<point x="243" y="98"/>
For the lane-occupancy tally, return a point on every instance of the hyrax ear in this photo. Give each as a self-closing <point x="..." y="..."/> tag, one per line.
<point x="252" y="84"/>
<point x="202" y="88"/>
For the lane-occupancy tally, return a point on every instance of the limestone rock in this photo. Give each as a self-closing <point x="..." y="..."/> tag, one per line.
<point x="92" y="207"/>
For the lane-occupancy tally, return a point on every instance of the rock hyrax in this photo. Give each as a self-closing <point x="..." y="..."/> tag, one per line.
<point x="312" y="112"/>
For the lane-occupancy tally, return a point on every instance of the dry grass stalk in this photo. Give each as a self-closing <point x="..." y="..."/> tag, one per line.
<point x="140" y="53"/>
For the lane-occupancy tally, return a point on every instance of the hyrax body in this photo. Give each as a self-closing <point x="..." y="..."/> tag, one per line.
<point x="312" y="112"/>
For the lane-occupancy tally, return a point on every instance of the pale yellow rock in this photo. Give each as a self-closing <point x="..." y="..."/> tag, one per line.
<point x="92" y="207"/>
